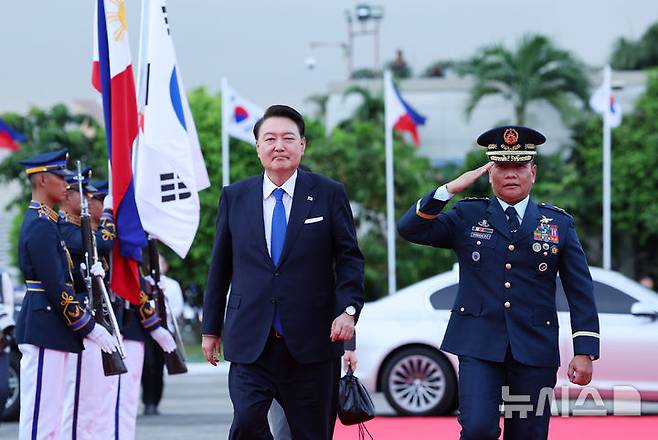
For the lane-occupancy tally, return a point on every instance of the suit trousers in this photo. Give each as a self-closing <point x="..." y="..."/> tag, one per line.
<point x="308" y="394"/>
<point x="152" y="374"/>
<point x="481" y="393"/>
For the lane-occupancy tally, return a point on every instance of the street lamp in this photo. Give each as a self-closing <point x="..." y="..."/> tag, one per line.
<point x="364" y="14"/>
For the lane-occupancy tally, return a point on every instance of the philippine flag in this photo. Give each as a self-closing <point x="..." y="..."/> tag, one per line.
<point x="399" y="114"/>
<point x="9" y="138"/>
<point x="242" y="114"/>
<point x="113" y="77"/>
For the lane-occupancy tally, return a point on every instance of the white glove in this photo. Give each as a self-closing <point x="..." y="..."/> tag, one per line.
<point x="164" y="339"/>
<point x="103" y="339"/>
<point x="108" y="202"/>
<point x="97" y="269"/>
<point x="149" y="279"/>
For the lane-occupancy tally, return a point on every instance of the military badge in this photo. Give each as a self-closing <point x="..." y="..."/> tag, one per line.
<point x="543" y="267"/>
<point x="511" y="136"/>
<point x="554" y="250"/>
<point x="475" y="256"/>
<point x="545" y="246"/>
<point x="547" y="233"/>
<point x="545" y="219"/>
<point x="484" y="223"/>
<point x="536" y="247"/>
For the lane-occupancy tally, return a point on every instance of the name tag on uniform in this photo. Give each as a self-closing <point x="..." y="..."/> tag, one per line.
<point x="308" y="221"/>
<point x="482" y="231"/>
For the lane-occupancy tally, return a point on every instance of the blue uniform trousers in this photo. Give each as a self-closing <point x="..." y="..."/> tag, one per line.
<point x="480" y="395"/>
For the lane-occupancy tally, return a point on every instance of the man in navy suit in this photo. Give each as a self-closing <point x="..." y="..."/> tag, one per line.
<point x="504" y="325"/>
<point x="286" y="245"/>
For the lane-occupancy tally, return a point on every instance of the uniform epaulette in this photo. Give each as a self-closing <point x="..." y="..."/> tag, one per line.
<point x="474" y="199"/>
<point x="65" y="217"/>
<point x="44" y="211"/>
<point x="554" y="208"/>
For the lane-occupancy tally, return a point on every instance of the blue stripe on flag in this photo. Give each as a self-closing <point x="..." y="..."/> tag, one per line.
<point x="104" y="68"/>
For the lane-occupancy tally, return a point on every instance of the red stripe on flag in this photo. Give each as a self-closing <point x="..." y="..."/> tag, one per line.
<point x="125" y="275"/>
<point x="96" y="75"/>
<point x="6" y="141"/>
<point x="405" y="123"/>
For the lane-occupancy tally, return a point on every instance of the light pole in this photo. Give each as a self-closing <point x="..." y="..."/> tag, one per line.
<point x="364" y="14"/>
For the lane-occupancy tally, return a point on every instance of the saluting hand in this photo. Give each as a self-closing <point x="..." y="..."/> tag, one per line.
<point x="580" y="370"/>
<point x="210" y="346"/>
<point x="468" y="178"/>
<point x="342" y="329"/>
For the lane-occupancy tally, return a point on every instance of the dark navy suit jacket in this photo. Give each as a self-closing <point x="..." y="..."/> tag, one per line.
<point x="320" y="272"/>
<point x="507" y="281"/>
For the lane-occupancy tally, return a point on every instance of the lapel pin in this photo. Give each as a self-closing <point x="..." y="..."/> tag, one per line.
<point x="309" y="198"/>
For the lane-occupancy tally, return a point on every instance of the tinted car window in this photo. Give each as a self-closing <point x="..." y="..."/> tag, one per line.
<point x="444" y="299"/>
<point x="608" y="299"/>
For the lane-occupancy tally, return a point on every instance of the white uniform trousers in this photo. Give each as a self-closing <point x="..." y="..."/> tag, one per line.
<point x="90" y="409"/>
<point x="43" y="389"/>
<point x="129" y="387"/>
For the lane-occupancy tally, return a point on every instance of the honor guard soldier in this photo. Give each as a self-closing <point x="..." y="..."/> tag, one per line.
<point x="53" y="321"/>
<point x="89" y="411"/>
<point x="137" y="322"/>
<point x="504" y="325"/>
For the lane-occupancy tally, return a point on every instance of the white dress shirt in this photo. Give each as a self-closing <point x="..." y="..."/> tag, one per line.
<point x="520" y="207"/>
<point x="444" y="195"/>
<point x="269" y="201"/>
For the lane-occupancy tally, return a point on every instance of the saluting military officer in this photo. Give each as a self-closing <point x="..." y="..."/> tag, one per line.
<point x="137" y="323"/>
<point x="504" y="324"/>
<point x="89" y="411"/>
<point x="53" y="321"/>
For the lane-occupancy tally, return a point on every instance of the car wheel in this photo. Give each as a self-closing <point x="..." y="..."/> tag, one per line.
<point x="419" y="381"/>
<point x="13" y="404"/>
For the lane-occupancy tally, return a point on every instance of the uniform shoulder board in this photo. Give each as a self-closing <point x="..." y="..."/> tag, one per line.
<point x="474" y="199"/>
<point x="554" y="208"/>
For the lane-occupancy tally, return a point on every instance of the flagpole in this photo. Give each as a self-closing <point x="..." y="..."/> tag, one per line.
<point x="226" y="178"/>
<point x="390" y="197"/>
<point x="606" y="171"/>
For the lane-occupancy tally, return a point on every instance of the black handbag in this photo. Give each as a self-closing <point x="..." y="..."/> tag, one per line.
<point x="354" y="403"/>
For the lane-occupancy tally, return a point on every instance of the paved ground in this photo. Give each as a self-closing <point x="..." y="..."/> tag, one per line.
<point x="196" y="406"/>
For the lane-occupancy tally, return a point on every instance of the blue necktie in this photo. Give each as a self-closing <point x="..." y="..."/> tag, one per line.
<point x="277" y="239"/>
<point x="512" y="219"/>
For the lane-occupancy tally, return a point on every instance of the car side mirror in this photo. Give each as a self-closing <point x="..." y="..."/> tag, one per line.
<point x="643" y="309"/>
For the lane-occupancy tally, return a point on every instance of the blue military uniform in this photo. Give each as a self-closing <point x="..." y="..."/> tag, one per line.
<point x="52" y="316"/>
<point x="53" y="321"/>
<point x="503" y="324"/>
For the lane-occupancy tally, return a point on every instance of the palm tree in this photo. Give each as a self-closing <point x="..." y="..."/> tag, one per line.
<point x="371" y="107"/>
<point x="536" y="71"/>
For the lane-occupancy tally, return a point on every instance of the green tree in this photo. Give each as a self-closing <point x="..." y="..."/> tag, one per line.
<point x="370" y="109"/>
<point x="53" y="129"/>
<point x="636" y="55"/>
<point x="536" y="70"/>
<point x="634" y="182"/>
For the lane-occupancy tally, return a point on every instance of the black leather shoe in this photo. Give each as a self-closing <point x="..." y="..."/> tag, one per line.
<point x="151" y="410"/>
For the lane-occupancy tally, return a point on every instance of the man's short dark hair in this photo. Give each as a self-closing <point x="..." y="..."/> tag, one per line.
<point x="282" y="111"/>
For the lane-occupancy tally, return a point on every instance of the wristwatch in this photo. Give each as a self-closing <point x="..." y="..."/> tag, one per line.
<point x="350" y="310"/>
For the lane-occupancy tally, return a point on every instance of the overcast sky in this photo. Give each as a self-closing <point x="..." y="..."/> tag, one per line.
<point x="46" y="45"/>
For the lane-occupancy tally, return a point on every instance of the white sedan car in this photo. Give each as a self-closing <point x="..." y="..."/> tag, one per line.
<point x="399" y="339"/>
